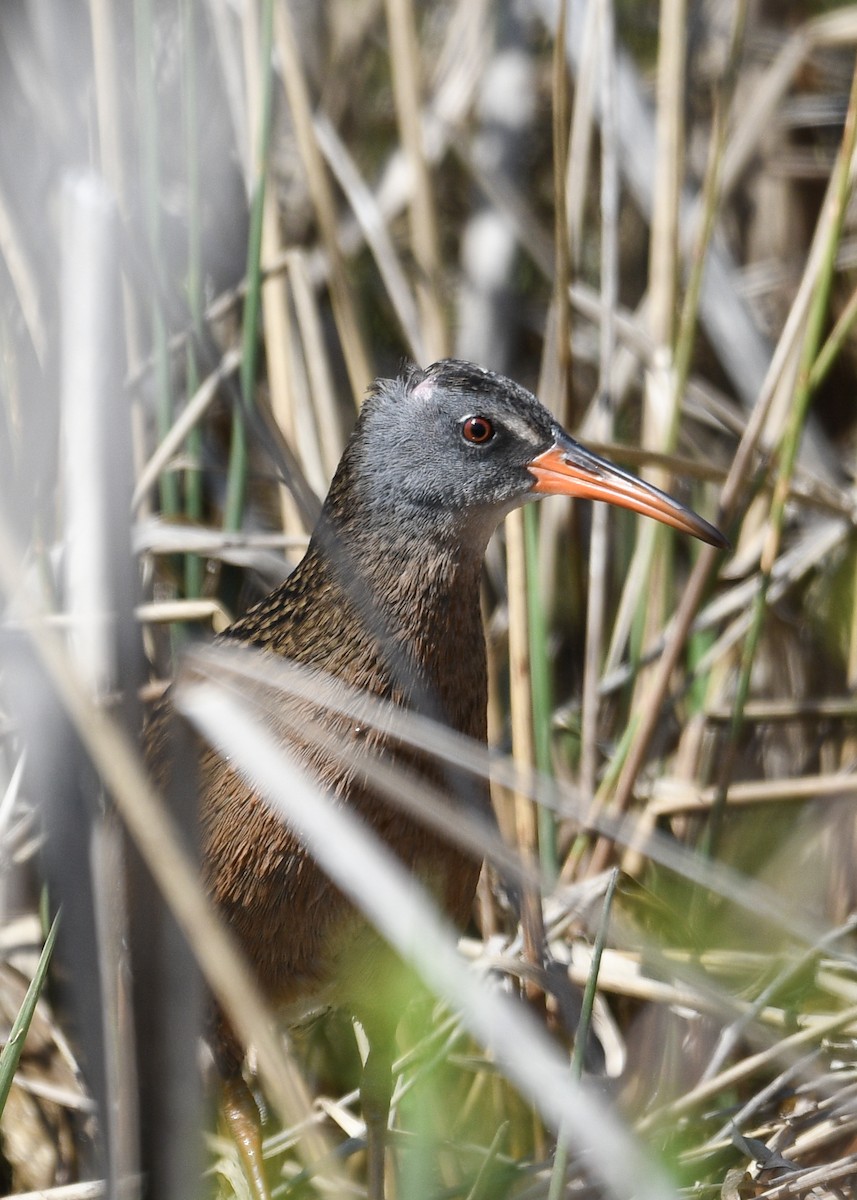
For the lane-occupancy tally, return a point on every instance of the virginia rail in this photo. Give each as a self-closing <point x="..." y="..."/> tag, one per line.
<point x="386" y="599"/>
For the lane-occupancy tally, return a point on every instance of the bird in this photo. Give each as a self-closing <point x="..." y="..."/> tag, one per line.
<point x="386" y="599"/>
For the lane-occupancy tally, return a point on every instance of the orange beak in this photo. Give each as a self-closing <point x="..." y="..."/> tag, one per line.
<point x="569" y="469"/>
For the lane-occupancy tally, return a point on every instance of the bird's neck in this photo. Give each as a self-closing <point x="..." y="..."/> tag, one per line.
<point x="416" y="596"/>
<point x="416" y="581"/>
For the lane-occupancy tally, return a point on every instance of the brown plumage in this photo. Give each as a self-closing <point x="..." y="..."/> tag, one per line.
<point x="387" y="600"/>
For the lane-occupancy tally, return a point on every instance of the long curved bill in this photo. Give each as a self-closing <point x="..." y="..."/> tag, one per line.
<point x="569" y="469"/>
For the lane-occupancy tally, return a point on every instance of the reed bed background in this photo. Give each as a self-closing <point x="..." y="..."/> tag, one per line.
<point x="218" y="222"/>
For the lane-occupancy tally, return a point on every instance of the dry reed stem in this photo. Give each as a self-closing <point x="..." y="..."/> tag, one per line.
<point x="752" y="1064"/>
<point x="732" y="489"/>
<point x="406" y="71"/>
<point x="580" y="135"/>
<point x="366" y="208"/>
<point x="187" y="420"/>
<point x="357" y="358"/>
<point x="523" y="745"/>
<point x="276" y="318"/>
<point x="600" y="423"/>
<point x="329" y="440"/>
<point x="669" y="174"/>
<point x="671" y="796"/>
<point x="660" y="398"/>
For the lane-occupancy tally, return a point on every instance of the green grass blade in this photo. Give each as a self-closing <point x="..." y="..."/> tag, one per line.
<point x="557" y="1184"/>
<point x="11" y="1053"/>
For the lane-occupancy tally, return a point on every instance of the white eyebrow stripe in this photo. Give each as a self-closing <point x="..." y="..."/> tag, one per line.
<point x="518" y="427"/>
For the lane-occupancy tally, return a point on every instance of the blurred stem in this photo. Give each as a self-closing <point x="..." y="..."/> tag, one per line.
<point x="148" y="105"/>
<point x="111" y="110"/>
<point x="540" y="686"/>
<point x="561" y="245"/>
<point x="787" y="457"/>
<point x="193" y="497"/>
<point x="108" y="97"/>
<point x="831" y="348"/>
<point x="236" y="485"/>
<point x="581" y="1037"/>
<point x="116" y="760"/>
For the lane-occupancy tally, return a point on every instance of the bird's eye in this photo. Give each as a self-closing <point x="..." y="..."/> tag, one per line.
<point x="477" y="430"/>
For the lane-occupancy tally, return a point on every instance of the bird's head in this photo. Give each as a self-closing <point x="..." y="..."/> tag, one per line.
<point x="456" y="447"/>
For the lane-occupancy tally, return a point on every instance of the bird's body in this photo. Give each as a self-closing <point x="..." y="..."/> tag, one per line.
<point x="356" y="621"/>
<point x="387" y="601"/>
<point x="310" y="948"/>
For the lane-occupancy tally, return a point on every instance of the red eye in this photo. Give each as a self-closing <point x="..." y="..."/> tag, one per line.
<point x="477" y="430"/>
